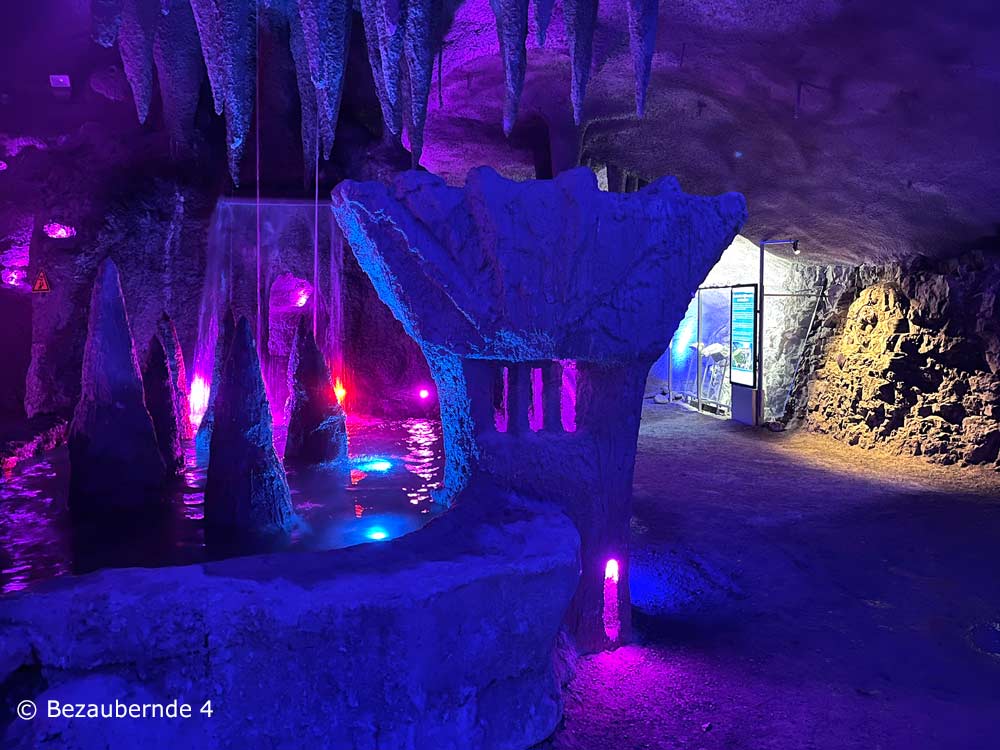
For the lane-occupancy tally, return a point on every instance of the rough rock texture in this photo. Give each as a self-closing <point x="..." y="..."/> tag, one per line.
<point x="167" y="335"/>
<point x="909" y="360"/>
<point x="115" y="462"/>
<point x="499" y="279"/>
<point x="223" y="342"/>
<point x="246" y="489"/>
<point x="161" y="399"/>
<point x="317" y="425"/>
<point x="512" y="30"/>
<point x="439" y="640"/>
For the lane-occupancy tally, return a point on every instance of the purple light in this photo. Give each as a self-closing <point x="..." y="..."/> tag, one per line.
<point x="567" y="395"/>
<point x="3" y="166"/>
<point x="12" y="277"/>
<point x="612" y="622"/>
<point x="58" y="231"/>
<point x="198" y="399"/>
<point x="424" y="394"/>
<point x="536" y="417"/>
<point x="303" y="297"/>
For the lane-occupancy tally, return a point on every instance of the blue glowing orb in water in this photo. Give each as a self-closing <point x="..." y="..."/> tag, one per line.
<point x="377" y="534"/>
<point x="376" y="464"/>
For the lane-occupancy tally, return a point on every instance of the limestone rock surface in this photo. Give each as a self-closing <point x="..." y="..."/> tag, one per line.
<point x="246" y="489"/>
<point x="317" y="425"/>
<point x="115" y="461"/>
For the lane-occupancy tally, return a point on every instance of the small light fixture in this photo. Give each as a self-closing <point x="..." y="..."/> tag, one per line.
<point x="58" y="231"/>
<point x="795" y="248"/>
<point x="424" y="394"/>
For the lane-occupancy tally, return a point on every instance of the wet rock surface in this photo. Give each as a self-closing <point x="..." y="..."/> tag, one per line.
<point x="911" y="363"/>
<point x="246" y="490"/>
<point x="114" y="456"/>
<point x="160" y="396"/>
<point x="203" y="438"/>
<point x="167" y="334"/>
<point x="317" y="425"/>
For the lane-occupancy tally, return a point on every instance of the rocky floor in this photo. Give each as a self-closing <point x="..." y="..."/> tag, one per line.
<point x="792" y="592"/>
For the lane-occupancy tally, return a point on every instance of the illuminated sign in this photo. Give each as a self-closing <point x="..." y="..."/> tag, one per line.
<point x="743" y="338"/>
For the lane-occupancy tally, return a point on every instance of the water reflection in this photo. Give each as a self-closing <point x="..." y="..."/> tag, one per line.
<point x="337" y="505"/>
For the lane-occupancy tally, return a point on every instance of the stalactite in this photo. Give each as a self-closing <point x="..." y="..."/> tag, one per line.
<point x="326" y="34"/>
<point x="384" y="31"/>
<point x="311" y="120"/>
<point x="422" y="19"/>
<point x="642" y="20"/>
<point x="581" y="18"/>
<point x="543" y="14"/>
<point x="227" y="29"/>
<point x="179" y="68"/>
<point x="512" y="30"/>
<point x="105" y="18"/>
<point x="136" y="36"/>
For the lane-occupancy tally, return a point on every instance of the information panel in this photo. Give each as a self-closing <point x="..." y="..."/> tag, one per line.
<point x="743" y="337"/>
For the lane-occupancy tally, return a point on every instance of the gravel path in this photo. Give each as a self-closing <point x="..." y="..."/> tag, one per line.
<point x="791" y="592"/>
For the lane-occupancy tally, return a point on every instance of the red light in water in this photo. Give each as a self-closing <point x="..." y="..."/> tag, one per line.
<point x="612" y="623"/>
<point x="340" y="391"/>
<point x="424" y="393"/>
<point x="58" y="231"/>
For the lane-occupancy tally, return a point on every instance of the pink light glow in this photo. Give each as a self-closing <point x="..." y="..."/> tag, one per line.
<point x="12" y="277"/>
<point x="58" y="231"/>
<point x="611" y="570"/>
<point x="424" y="394"/>
<point x="536" y="415"/>
<point x="303" y="297"/>
<point x="340" y="391"/>
<point x="198" y="399"/>
<point x="567" y="395"/>
<point x="612" y="622"/>
<point x="3" y="166"/>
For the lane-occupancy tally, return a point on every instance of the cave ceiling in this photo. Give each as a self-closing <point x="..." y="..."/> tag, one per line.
<point x="867" y="130"/>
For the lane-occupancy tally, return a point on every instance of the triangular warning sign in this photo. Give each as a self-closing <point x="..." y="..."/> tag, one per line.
<point x="41" y="283"/>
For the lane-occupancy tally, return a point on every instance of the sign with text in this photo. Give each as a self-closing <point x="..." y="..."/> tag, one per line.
<point x="743" y="337"/>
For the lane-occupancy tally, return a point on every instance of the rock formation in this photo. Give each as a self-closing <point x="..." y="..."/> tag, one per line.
<point x="246" y="490"/>
<point x="167" y="334"/>
<point x="499" y="279"/>
<point x="161" y="400"/>
<point x="317" y="426"/>
<point x="115" y="462"/>
<point x="908" y="360"/>
<point x="203" y="438"/>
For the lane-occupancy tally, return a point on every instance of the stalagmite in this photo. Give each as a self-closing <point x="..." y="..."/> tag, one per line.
<point x="225" y="339"/>
<point x="512" y="30"/>
<point x="581" y="18"/>
<point x="178" y="375"/>
<point x="317" y="426"/>
<point x="135" y="43"/>
<point x="158" y="389"/>
<point x="246" y="489"/>
<point x="179" y="68"/>
<point x="642" y="20"/>
<point x="326" y="32"/>
<point x="115" y="462"/>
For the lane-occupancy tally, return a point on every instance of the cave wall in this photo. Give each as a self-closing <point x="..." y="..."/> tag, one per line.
<point x="907" y="359"/>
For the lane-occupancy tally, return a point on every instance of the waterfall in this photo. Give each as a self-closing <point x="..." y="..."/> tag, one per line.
<point x="299" y="255"/>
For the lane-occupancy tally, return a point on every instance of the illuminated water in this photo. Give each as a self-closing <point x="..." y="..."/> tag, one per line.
<point x="383" y="493"/>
